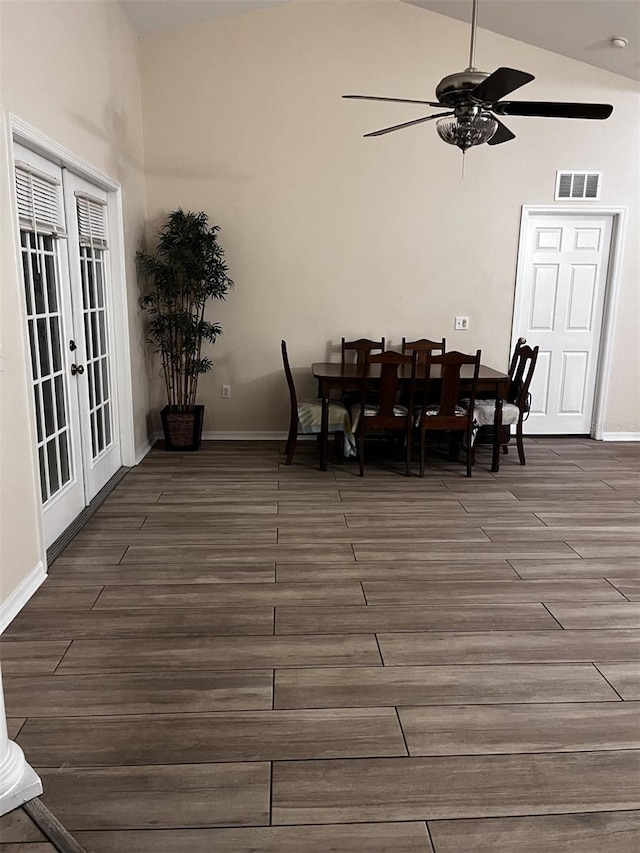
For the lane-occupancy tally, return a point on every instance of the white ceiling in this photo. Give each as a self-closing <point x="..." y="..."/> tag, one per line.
<point x="579" y="29"/>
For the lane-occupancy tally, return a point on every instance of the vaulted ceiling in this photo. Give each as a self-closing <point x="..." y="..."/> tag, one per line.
<point x="579" y="29"/>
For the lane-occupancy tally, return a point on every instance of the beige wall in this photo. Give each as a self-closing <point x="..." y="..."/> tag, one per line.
<point x="329" y="234"/>
<point x="70" y="70"/>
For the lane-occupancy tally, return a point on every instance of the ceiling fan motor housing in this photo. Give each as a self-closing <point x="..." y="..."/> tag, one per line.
<point x="454" y="88"/>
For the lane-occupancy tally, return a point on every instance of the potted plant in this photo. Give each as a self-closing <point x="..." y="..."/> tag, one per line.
<point x="186" y="271"/>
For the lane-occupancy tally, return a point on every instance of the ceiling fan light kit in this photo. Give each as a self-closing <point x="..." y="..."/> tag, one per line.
<point x="474" y="101"/>
<point x="465" y="131"/>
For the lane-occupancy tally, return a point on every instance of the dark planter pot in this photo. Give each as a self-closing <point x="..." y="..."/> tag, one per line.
<point x="182" y="430"/>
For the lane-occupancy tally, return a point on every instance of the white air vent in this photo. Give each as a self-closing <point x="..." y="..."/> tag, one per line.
<point x="584" y="186"/>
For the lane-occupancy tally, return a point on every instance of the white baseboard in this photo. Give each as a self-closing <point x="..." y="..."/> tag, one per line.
<point x="239" y="435"/>
<point x="10" y="608"/>
<point x="19" y="782"/>
<point x="621" y="436"/>
<point x="141" y="452"/>
<point x="244" y="435"/>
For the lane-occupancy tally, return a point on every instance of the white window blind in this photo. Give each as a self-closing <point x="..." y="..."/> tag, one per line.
<point x="92" y="222"/>
<point x="38" y="200"/>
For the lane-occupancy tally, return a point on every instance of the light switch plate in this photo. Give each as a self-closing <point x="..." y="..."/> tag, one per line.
<point x="461" y="324"/>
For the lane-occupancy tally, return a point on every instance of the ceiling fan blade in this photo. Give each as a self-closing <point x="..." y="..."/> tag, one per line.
<point x="396" y="100"/>
<point x="407" y="124"/>
<point x="502" y="134"/>
<point x="552" y="109"/>
<point x="500" y="83"/>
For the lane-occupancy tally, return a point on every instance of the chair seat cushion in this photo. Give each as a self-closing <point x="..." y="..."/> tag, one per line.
<point x="310" y="421"/>
<point x="484" y="412"/>
<point x="370" y="410"/>
<point x="433" y="410"/>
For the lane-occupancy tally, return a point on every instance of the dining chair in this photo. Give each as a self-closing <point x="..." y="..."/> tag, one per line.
<point x="306" y="415"/>
<point x="362" y="347"/>
<point x="423" y="346"/>
<point x="385" y="415"/>
<point x="517" y="404"/>
<point x="445" y="413"/>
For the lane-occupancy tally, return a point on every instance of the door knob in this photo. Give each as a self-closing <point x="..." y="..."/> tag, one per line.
<point x="76" y="368"/>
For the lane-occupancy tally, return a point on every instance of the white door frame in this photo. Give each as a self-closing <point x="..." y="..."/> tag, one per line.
<point x="612" y="290"/>
<point x="28" y="136"/>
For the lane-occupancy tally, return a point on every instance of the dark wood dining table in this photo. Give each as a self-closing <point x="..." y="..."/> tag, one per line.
<point x="334" y="376"/>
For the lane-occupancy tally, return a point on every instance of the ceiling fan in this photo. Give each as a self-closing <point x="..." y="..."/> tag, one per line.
<point x="474" y="101"/>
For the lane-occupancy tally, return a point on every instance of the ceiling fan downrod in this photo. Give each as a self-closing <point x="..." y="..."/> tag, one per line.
<point x="474" y="27"/>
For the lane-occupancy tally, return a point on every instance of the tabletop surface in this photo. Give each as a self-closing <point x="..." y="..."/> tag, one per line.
<point x="335" y="370"/>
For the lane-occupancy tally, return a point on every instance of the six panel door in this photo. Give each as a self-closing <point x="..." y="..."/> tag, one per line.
<point x="559" y="307"/>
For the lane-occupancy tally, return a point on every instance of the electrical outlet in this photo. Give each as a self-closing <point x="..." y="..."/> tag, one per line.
<point x="225" y="392"/>
<point x="461" y="324"/>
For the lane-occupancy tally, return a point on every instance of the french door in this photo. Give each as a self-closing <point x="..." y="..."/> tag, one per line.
<point x="560" y="296"/>
<point x="66" y="275"/>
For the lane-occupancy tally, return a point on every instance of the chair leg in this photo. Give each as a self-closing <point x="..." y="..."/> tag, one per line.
<point x="469" y="452"/>
<point x="290" y="448"/>
<point x="519" y="442"/>
<point x="422" y="443"/>
<point x="407" y="441"/>
<point x="339" y="439"/>
<point x="361" y="452"/>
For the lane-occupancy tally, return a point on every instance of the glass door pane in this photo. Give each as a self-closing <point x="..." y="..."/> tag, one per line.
<point x="44" y="318"/>
<point x="97" y="362"/>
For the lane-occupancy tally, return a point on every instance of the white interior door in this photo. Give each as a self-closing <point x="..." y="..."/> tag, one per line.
<point x="50" y="330"/>
<point x="559" y="307"/>
<point x="86" y="209"/>
<point x="65" y="263"/>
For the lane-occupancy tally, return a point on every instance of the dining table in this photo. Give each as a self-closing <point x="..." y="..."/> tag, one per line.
<point x="335" y="376"/>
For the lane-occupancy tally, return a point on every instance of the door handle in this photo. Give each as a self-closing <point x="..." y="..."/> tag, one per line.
<point x="76" y="368"/>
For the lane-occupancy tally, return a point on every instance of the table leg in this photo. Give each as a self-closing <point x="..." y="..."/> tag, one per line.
<point x="497" y="434"/>
<point x="324" y="433"/>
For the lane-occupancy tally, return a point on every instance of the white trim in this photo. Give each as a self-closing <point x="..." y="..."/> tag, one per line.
<point x="612" y="290"/>
<point x="620" y="436"/>
<point x="146" y="447"/>
<point x="33" y="139"/>
<point x="239" y="435"/>
<point x="10" y="608"/>
<point x="19" y="782"/>
<point x="22" y="308"/>
<point x="120" y="321"/>
<point x="242" y="435"/>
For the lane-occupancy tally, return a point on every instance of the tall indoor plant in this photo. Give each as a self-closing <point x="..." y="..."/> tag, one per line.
<point x="185" y="272"/>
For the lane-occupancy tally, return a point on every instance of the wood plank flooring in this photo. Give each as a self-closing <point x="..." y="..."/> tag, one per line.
<point x="238" y="655"/>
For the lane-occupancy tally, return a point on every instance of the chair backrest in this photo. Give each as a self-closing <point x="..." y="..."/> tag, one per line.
<point x="450" y="385"/>
<point x="423" y="346"/>
<point x="389" y="383"/>
<point x="287" y="372"/>
<point x="514" y="358"/>
<point x="523" y="363"/>
<point x="363" y="348"/>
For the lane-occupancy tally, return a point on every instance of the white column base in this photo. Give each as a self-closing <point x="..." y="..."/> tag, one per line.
<point x="19" y="782"/>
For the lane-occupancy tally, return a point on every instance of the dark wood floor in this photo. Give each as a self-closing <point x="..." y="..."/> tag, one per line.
<point x="238" y="656"/>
